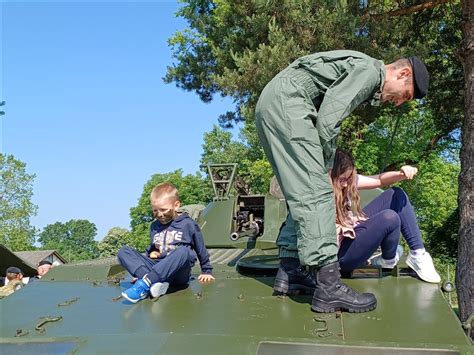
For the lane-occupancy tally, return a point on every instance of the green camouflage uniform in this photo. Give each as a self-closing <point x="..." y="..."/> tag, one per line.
<point x="298" y="118"/>
<point x="12" y="286"/>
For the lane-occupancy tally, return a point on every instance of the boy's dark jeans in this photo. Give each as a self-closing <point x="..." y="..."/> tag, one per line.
<point x="175" y="268"/>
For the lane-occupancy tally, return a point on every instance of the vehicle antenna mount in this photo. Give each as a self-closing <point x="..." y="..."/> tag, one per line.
<point x="222" y="177"/>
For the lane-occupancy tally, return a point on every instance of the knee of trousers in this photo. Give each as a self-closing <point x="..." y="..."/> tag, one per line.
<point x="390" y="219"/>
<point x="123" y="253"/>
<point x="400" y="194"/>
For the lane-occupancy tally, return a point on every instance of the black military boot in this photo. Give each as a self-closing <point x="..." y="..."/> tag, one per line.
<point x="293" y="278"/>
<point x="331" y="294"/>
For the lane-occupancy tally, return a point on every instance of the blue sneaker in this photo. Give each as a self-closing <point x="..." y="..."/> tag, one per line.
<point x="139" y="291"/>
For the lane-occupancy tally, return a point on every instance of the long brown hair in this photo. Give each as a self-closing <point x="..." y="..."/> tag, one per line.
<point x="344" y="162"/>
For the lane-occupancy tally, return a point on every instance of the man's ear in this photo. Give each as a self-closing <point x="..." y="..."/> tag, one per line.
<point x="404" y="73"/>
<point x="177" y="204"/>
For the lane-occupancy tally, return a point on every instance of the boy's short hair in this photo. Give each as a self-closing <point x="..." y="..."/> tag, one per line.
<point x="164" y="189"/>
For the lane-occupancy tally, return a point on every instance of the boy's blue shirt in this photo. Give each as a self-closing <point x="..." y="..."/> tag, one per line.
<point x="181" y="231"/>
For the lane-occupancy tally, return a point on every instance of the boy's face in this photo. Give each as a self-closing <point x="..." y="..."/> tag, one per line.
<point x="165" y="208"/>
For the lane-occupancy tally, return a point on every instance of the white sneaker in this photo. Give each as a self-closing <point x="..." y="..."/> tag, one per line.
<point x="378" y="261"/>
<point x="423" y="266"/>
<point x="159" y="289"/>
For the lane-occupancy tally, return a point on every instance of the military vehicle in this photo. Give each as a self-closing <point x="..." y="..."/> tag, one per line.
<point x="77" y="308"/>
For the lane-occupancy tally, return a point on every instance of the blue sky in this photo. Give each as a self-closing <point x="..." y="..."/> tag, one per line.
<point x="87" y="109"/>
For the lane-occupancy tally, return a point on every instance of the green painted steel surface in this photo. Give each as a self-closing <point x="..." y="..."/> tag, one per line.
<point x="234" y="315"/>
<point x="275" y="215"/>
<point x="216" y="222"/>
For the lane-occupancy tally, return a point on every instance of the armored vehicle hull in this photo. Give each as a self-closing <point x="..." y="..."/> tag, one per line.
<point x="76" y="308"/>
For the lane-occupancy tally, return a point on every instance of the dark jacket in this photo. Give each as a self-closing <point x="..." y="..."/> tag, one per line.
<point x="181" y="231"/>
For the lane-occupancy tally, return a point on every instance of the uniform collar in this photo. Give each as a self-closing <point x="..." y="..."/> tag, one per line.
<point x="375" y="101"/>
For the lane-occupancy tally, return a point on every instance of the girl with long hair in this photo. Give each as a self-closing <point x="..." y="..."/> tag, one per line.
<point x="361" y="231"/>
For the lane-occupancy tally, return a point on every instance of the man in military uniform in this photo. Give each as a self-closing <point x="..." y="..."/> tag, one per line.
<point x="298" y="117"/>
<point x="12" y="282"/>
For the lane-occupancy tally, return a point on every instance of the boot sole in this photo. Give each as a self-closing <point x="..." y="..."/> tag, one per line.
<point x="285" y="289"/>
<point x="321" y="306"/>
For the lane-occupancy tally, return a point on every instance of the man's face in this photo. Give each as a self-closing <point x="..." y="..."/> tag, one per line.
<point x="398" y="88"/>
<point x="165" y="209"/>
<point x="14" y="276"/>
<point x="43" y="269"/>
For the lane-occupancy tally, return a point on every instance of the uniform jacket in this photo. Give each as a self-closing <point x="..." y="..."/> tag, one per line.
<point x="181" y="231"/>
<point x="344" y="79"/>
<point x="12" y="286"/>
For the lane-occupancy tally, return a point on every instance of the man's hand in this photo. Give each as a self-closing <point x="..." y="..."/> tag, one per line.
<point x="409" y="171"/>
<point x="203" y="278"/>
<point x="154" y="254"/>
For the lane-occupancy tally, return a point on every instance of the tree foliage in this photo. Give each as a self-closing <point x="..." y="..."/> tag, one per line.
<point x="434" y="195"/>
<point x="73" y="239"/>
<point x="235" y="47"/>
<point x="16" y="206"/>
<point x="115" y="239"/>
<point x="193" y="189"/>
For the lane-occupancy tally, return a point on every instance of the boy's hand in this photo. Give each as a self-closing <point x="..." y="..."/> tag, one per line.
<point x="154" y="254"/>
<point x="205" y="278"/>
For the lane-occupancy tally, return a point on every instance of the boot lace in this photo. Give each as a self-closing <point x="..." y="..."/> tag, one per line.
<point x="303" y="271"/>
<point x="346" y="289"/>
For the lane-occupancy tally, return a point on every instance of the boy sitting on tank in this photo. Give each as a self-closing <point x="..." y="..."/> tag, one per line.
<point x="176" y="243"/>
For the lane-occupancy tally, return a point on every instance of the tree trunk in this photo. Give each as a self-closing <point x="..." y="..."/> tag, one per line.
<point x="465" y="265"/>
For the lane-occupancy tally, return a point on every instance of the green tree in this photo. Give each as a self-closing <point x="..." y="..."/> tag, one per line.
<point x="235" y="48"/>
<point x="434" y="195"/>
<point x="465" y="265"/>
<point x="73" y="239"/>
<point x="386" y="144"/>
<point x="192" y="189"/>
<point x="16" y="206"/>
<point x="115" y="239"/>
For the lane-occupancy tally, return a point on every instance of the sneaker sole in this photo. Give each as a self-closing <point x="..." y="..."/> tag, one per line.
<point x="321" y="306"/>
<point x="282" y="288"/>
<point x="420" y="275"/>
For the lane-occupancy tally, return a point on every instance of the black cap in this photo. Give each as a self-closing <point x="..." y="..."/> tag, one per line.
<point x="14" y="270"/>
<point x="45" y="262"/>
<point x="421" y="77"/>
